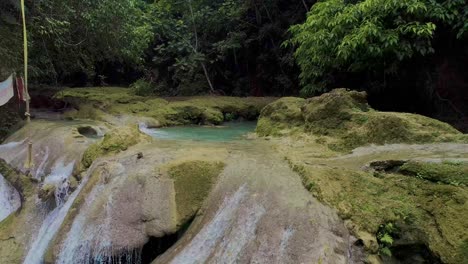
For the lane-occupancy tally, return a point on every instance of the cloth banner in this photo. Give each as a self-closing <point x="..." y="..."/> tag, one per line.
<point x="6" y="90"/>
<point x="20" y="89"/>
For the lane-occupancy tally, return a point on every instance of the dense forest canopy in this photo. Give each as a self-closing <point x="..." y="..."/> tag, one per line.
<point x="414" y="49"/>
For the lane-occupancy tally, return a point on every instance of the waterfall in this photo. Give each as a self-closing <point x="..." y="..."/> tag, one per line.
<point x="145" y="130"/>
<point x="204" y="243"/>
<point x="59" y="177"/>
<point x="90" y="241"/>
<point x="52" y="223"/>
<point x="10" y="199"/>
<point x="79" y="243"/>
<point x="40" y="169"/>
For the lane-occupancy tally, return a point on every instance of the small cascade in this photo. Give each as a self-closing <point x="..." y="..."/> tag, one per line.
<point x="59" y="177"/>
<point x="204" y="243"/>
<point x="40" y="172"/>
<point x="144" y="129"/>
<point x="10" y="199"/>
<point x="49" y="228"/>
<point x="12" y="150"/>
<point x="90" y="242"/>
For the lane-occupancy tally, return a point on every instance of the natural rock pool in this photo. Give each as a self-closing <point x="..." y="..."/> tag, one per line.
<point x="227" y="132"/>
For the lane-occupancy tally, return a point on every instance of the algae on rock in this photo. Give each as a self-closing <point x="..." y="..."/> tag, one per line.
<point x="117" y="140"/>
<point x="425" y="213"/>
<point x="454" y="173"/>
<point x="21" y="182"/>
<point x="283" y="115"/>
<point x="94" y="103"/>
<point x="193" y="181"/>
<point x="344" y="121"/>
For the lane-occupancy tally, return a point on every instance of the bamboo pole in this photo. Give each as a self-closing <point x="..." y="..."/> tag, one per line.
<point x="25" y="46"/>
<point x="29" y="162"/>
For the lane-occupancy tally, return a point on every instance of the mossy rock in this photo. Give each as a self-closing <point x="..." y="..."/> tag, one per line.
<point x="93" y="103"/>
<point x="24" y="184"/>
<point x="10" y="250"/>
<point x="282" y="114"/>
<point x="212" y="117"/>
<point x="425" y="213"/>
<point x="193" y="181"/>
<point x="115" y="141"/>
<point x="47" y="192"/>
<point x="347" y="121"/>
<point x="332" y="110"/>
<point x="454" y="173"/>
<point x="85" y="111"/>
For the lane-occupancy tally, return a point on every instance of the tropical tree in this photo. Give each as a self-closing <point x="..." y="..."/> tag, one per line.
<point x="74" y="36"/>
<point x="371" y="36"/>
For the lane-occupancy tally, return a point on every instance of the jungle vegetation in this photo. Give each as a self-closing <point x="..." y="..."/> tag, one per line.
<point x="398" y="49"/>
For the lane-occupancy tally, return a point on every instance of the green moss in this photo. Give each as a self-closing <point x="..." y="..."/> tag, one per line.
<point x="212" y="116"/>
<point x="176" y="111"/>
<point x="330" y="112"/>
<point x="193" y="181"/>
<point x="113" y="142"/>
<point x="463" y="253"/>
<point x="426" y="213"/>
<point x="10" y="250"/>
<point x="85" y="111"/>
<point x="98" y="95"/>
<point x="21" y="182"/>
<point x="347" y="121"/>
<point x="281" y="115"/>
<point x="446" y="172"/>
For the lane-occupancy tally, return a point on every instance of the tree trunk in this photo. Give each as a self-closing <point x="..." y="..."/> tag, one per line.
<point x="207" y="78"/>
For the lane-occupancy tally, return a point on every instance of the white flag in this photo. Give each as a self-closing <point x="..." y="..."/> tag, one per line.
<point x="6" y="90"/>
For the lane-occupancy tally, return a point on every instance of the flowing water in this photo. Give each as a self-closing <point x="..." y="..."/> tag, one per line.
<point x="53" y="221"/>
<point x="89" y="241"/>
<point x="59" y="177"/>
<point x="10" y="199"/>
<point x="227" y="132"/>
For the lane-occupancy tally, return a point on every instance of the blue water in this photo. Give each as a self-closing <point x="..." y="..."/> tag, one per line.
<point x="227" y="132"/>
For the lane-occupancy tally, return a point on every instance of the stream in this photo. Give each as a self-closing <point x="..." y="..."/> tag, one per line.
<point x="257" y="210"/>
<point x="227" y="132"/>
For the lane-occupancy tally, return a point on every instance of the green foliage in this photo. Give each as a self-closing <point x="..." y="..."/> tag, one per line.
<point x="10" y="38"/>
<point x="142" y="88"/>
<point x="69" y="37"/>
<point x="237" y="42"/>
<point x="369" y="35"/>
<point x="385" y="238"/>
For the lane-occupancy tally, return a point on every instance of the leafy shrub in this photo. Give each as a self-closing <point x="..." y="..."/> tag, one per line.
<point x="369" y="35"/>
<point x="142" y="88"/>
<point x="385" y="237"/>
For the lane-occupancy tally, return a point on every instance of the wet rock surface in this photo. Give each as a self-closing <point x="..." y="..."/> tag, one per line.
<point x="293" y="199"/>
<point x="259" y="213"/>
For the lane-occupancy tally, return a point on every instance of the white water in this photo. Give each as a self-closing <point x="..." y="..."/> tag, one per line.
<point x="11" y="150"/>
<point x="11" y="145"/>
<point x="89" y="241"/>
<point x="144" y="129"/>
<point x="59" y="177"/>
<point x="10" y="199"/>
<point x="203" y="244"/>
<point x="54" y="219"/>
<point x="81" y="239"/>
<point x="40" y="169"/>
